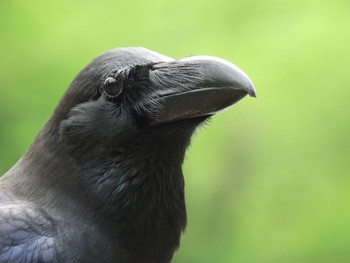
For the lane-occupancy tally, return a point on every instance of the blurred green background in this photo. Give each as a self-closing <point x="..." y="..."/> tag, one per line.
<point x="267" y="180"/>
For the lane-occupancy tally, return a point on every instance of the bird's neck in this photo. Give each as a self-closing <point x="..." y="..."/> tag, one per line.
<point x="44" y="173"/>
<point x="136" y="196"/>
<point x="145" y="189"/>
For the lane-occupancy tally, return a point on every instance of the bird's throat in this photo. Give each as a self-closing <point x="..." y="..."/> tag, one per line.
<point x="147" y="207"/>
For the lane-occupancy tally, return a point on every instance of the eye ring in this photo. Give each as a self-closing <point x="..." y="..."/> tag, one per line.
<point x="111" y="87"/>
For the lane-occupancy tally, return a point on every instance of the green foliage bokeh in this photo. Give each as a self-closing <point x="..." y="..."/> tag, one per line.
<point x="268" y="179"/>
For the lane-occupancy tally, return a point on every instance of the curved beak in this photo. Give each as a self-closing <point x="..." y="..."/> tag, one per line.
<point x="207" y="86"/>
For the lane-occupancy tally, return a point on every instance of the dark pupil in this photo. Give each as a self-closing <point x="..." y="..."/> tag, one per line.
<point x="111" y="87"/>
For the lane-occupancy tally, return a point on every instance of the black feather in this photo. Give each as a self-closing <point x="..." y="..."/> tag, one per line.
<point x="99" y="184"/>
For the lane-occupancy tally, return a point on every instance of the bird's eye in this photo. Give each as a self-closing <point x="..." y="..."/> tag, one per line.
<point x="111" y="87"/>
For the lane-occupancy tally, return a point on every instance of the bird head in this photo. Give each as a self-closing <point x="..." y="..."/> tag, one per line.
<point x="131" y="96"/>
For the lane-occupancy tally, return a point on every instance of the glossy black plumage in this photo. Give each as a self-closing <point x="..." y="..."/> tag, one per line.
<point x="102" y="181"/>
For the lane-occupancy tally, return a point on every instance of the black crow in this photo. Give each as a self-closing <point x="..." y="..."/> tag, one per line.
<point x="102" y="181"/>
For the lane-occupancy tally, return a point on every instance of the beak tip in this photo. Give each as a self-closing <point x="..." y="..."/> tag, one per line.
<point x="253" y="95"/>
<point x="252" y="92"/>
<point x="250" y="87"/>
